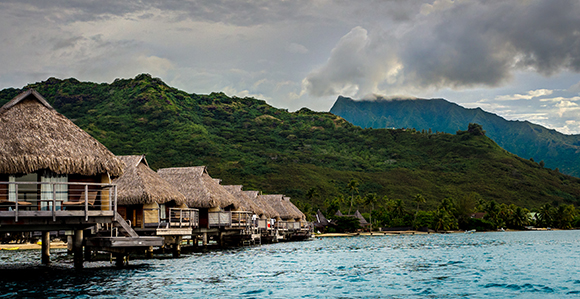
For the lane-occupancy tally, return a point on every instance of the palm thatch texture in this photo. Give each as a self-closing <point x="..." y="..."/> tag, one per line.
<point x="292" y="206"/>
<point x="247" y="203"/>
<point x="285" y="211"/>
<point x="139" y="184"/>
<point x="361" y="219"/>
<point x="34" y="137"/>
<point x="269" y="211"/>
<point x="200" y="190"/>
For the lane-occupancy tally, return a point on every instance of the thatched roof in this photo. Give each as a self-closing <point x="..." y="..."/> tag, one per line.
<point x="360" y="218"/>
<point x="247" y="203"/>
<point x="200" y="190"/>
<point x="292" y="206"/>
<point x="281" y="206"/>
<point x="321" y="221"/>
<point x="139" y="184"/>
<point x="33" y="136"/>
<point x="338" y="213"/>
<point x="262" y="203"/>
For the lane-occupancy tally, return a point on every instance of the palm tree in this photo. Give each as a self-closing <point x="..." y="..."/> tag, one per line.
<point x="419" y="199"/>
<point x="545" y="215"/>
<point x="565" y="215"/>
<point x="370" y="200"/>
<point x="398" y="208"/>
<point x="353" y="187"/>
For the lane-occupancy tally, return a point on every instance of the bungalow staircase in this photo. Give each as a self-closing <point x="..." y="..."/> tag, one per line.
<point x="124" y="227"/>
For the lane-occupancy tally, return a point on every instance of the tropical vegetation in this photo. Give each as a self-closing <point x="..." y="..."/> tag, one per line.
<point x="317" y="158"/>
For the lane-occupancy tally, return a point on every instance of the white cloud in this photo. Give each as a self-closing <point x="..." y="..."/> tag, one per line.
<point x="231" y="91"/>
<point x="530" y="95"/>
<point x="357" y="65"/>
<point x="560" y="99"/>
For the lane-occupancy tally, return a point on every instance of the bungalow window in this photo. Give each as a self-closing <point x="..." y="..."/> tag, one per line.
<point x="26" y="192"/>
<point x="46" y="190"/>
<point x="162" y="212"/>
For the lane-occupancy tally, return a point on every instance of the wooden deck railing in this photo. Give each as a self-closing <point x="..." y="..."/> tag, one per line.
<point x="241" y="219"/>
<point x="220" y="219"/>
<point x="55" y="199"/>
<point x="262" y="223"/>
<point x="293" y="225"/>
<point x="183" y="218"/>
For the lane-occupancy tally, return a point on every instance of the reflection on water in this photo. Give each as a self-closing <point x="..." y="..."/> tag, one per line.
<point x="481" y="265"/>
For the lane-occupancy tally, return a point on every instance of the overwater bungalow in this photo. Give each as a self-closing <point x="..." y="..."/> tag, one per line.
<point x="288" y="219"/>
<point x="219" y="211"/>
<point x="259" y="218"/>
<point x="267" y="221"/>
<point x="302" y="228"/>
<point x="55" y="176"/>
<point x="149" y="202"/>
<point x="152" y="205"/>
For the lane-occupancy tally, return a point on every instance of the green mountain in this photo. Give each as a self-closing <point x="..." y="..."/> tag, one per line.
<point x="246" y="141"/>
<point x="522" y="138"/>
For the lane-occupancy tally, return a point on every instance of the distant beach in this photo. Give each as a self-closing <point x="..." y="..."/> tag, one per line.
<point x="15" y="246"/>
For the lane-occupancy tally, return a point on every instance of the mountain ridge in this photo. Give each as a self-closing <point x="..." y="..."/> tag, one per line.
<point x="523" y="138"/>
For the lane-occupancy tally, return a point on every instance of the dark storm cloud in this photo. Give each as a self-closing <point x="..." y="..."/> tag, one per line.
<point x="483" y="42"/>
<point x="462" y="44"/>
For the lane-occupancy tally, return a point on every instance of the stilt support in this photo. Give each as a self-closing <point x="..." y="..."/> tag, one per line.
<point x="46" y="248"/>
<point x="78" y="249"/>
<point x="69" y="245"/>
<point x="149" y="253"/>
<point x="204" y="240"/>
<point x="119" y="260"/>
<point x="176" y="250"/>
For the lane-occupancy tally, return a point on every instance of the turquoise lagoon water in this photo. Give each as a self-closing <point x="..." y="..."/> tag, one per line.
<point x="542" y="264"/>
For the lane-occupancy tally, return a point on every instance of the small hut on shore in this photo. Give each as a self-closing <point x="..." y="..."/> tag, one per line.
<point x="320" y="222"/>
<point x="42" y="145"/>
<point x="202" y="192"/>
<point x="357" y="215"/>
<point x="143" y="196"/>
<point x="363" y="222"/>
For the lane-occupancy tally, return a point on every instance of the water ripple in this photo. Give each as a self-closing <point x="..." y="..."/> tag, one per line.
<point x="481" y="265"/>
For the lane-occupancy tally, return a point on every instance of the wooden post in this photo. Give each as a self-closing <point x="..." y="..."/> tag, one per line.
<point x="78" y="249"/>
<point x="88" y="253"/>
<point x="45" y="248"/>
<point x="149" y="253"/>
<point x="204" y="240"/>
<point x="69" y="245"/>
<point x="177" y="247"/>
<point x="221" y="237"/>
<point x="119" y="260"/>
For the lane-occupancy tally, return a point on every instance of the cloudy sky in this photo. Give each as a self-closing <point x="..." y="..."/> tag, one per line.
<point x="518" y="59"/>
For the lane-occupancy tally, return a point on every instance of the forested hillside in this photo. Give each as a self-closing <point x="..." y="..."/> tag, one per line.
<point x="522" y="138"/>
<point x="310" y="156"/>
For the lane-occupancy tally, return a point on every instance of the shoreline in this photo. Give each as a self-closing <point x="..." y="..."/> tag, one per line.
<point x="31" y="246"/>
<point x="414" y="232"/>
<point x="375" y="233"/>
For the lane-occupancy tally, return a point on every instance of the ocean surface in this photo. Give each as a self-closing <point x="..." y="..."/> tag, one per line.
<point x="535" y="264"/>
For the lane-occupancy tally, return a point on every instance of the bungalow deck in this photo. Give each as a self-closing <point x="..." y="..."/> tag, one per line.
<point x="71" y="206"/>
